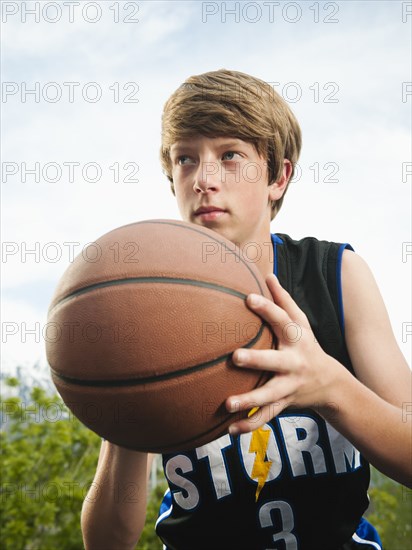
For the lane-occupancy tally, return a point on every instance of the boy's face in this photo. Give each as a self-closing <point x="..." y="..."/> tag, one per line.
<point x="222" y="183"/>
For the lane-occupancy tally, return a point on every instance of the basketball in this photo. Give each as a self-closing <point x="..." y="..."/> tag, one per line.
<point x="141" y="330"/>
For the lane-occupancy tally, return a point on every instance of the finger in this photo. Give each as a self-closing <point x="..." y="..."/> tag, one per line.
<point x="281" y="361"/>
<point x="284" y="300"/>
<point x="276" y="390"/>
<point x="258" y="419"/>
<point x="270" y="312"/>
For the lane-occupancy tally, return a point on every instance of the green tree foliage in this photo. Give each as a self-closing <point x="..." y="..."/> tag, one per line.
<point x="48" y="462"/>
<point x="391" y="512"/>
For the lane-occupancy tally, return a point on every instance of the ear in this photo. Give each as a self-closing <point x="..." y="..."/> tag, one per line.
<point x="277" y="188"/>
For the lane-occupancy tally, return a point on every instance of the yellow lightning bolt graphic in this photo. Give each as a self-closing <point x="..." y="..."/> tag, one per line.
<point x="258" y="445"/>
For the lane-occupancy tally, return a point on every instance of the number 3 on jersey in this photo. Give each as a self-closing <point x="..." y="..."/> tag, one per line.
<point x="283" y="520"/>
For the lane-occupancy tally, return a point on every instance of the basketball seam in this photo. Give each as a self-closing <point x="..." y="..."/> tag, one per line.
<point x="142" y="280"/>
<point x="196" y="230"/>
<point x="154" y="378"/>
<point x="178" y="445"/>
<point x="176" y="224"/>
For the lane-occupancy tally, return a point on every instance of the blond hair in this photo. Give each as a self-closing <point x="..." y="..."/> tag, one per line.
<point x="230" y="103"/>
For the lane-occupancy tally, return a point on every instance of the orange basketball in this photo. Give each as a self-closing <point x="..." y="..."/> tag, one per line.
<point x="141" y="330"/>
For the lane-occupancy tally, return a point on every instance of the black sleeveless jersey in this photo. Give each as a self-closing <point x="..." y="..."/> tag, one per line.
<point x="294" y="484"/>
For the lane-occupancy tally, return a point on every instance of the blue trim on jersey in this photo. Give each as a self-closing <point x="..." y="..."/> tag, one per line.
<point x="367" y="534"/>
<point x="275" y="241"/>
<point x="165" y="507"/>
<point x="342" y="247"/>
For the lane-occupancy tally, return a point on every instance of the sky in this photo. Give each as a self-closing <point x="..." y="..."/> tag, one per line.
<point x="83" y="88"/>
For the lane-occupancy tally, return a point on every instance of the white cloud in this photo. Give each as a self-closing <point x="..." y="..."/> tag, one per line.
<point x="366" y="134"/>
<point x="23" y="329"/>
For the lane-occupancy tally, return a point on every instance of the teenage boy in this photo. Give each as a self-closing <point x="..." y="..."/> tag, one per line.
<point x="294" y="474"/>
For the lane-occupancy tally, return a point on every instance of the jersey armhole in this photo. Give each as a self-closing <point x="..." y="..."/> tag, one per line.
<point x="275" y="241"/>
<point x="342" y="247"/>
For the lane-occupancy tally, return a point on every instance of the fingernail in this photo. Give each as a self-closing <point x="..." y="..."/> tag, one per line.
<point x="233" y="430"/>
<point x="233" y="405"/>
<point x="255" y="299"/>
<point x="241" y="357"/>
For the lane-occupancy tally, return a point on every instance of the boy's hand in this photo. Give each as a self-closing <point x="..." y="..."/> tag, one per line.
<point x="302" y="371"/>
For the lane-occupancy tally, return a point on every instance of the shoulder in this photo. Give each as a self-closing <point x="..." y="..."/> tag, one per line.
<point x="362" y="300"/>
<point x="376" y="357"/>
<point x="360" y="292"/>
<point x="355" y="268"/>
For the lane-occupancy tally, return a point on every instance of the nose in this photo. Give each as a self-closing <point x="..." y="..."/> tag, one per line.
<point x="206" y="178"/>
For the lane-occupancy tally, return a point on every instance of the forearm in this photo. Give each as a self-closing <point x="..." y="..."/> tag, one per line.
<point x="114" y="509"/>
<point x="382" y="432"/>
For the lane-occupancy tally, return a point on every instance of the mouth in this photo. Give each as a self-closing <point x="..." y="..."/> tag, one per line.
<point x="209" y="213"/>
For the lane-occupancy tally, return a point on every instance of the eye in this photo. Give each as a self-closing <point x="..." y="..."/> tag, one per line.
<point x="229" y="155"/>
<point x="183" y="159"/>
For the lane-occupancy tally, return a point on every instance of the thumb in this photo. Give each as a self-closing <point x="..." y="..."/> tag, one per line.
<point x="284" y="300"/>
